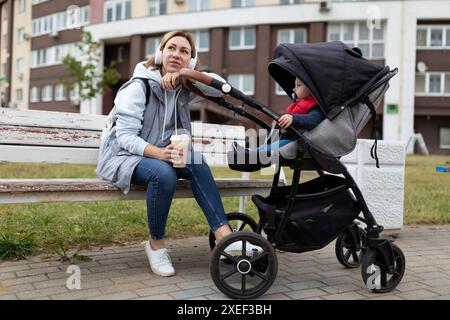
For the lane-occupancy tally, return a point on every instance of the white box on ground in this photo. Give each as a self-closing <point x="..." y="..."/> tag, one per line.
<point x="383" y="188"/>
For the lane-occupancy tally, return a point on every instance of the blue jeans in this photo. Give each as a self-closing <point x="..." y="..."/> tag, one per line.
<point x="274" y="146"/>
<point x="160" y="178"/>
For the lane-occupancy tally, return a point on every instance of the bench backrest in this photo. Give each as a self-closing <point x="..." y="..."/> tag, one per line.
<point x="58" y="137"/>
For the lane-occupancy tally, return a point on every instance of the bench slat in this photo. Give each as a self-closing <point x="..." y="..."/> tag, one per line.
<point x="41" y="154"/>
<point x="49" y="137"/>
<point x="90" y="139"/>
<point x="51" y="119"/>
<point x="65" y="120"/>
<point x="74" y="185"/>
<point x="51" y="190"/>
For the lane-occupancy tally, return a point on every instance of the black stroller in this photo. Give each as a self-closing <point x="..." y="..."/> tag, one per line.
<point x="308" y="216"/>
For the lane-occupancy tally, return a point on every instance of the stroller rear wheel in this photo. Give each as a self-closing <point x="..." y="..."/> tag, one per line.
<point x="349" y="246"/>
<point x="374" y="272"/>
<point x="238" y="222"/>
<point x="250" y="273"/>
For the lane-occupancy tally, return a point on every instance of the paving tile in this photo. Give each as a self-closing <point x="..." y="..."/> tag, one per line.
<point x="171" y="288"/>
<point x="156" y="297"/>
<point x="344" y="296"/>
<point x="186" y="294"/>
<point x="122" y="272"/>
<point x="125" y="295"/>
<point x="307" y="293"/>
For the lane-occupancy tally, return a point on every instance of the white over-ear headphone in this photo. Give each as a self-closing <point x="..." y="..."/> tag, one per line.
<point x="159" y="54"/>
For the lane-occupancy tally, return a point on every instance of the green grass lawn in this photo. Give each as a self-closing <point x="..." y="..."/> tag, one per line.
<point x="58" y="227"/>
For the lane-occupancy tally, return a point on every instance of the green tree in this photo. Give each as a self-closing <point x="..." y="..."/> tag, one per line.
<point x="84" y="69"/>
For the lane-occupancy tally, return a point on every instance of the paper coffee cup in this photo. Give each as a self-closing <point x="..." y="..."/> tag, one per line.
<point x="180" y="141"/>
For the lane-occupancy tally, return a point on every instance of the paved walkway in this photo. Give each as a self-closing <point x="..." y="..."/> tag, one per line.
<point x="123" y="273"/>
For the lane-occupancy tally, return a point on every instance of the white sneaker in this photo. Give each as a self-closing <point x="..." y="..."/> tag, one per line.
<point x="159" y="260"/>
<point x="235" y="248"/>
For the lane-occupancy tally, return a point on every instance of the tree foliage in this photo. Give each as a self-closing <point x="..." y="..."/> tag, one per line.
<point x="84" y="71"/>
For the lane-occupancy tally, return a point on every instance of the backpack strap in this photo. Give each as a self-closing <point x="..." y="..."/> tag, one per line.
<point x="147" y="95"/>
<point x="147" y="89"/>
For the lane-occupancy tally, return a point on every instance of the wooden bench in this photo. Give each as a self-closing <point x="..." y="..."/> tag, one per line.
<point x="54" y="137"/>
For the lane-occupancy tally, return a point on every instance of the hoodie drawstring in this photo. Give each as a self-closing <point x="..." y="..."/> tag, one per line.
<point x="165" y="113"/>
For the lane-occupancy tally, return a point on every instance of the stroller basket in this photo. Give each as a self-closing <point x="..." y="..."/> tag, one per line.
<point x="323" y="207"/>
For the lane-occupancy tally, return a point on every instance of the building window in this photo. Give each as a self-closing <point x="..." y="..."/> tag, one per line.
<point x="444" y="138"/>
<point x="20" y="67"/>
<point x="291" y="36"/>
<point x="242" y="38"/>
<point x="60" y="94"/>
<point x="201" y="39"/>
<point x="53" y="55"/>
<point x="157" y="7"/>
<point x="433" y="84"/>
<point x="421" y="37"/>
<point x="47" y="93"/>
<point x="197" y="5"/>
<point x="420" y="83"/>
<point x="60" y="21"/>
<point x="5" y="12"/>
<point x="436" y="39"/>
<point x="151" y="44"/>
<point x="19" y="96"/>
<point x="5" y="41"/>
<point x="242" y="3"/>
<point x="120" y="54"/>
<point x="243" y="82"/>
<point x="20" y="35"/>
<point x="34" y="94"/>
<point x="22" y="4"/>
<point x="290" y="1"/>
<point x="357" y="34"/>
<point x="74" y="97"/>
<point x="433" y="37"/>
<point x="116" y="10"/>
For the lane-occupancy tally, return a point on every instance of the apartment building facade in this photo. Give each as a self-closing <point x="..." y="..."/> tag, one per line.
<point x="55" y="32"/>
<point x="236" y="38"/>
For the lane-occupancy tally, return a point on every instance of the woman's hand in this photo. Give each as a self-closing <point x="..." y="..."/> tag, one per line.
<point x="170" y="80"/>
<point x="169" y="154"/>
<point x="164" y="154"/>
<point x="285" y="120"/>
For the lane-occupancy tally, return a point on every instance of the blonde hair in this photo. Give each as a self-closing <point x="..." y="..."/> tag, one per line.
<point x="169" y="35"/>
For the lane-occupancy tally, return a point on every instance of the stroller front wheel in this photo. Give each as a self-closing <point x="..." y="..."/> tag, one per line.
<point x="349" y="246"/>
<point x="249" y="273"/>
<point x="374" y="272"/>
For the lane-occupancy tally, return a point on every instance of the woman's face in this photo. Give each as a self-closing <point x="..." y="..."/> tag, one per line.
<point x="301" y="90"/>
<point x="176" y="55"/>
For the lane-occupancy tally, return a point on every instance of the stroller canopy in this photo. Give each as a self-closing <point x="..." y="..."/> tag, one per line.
<point x="333" y="72"/>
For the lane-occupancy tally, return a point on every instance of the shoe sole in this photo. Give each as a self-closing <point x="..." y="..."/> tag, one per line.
<point x="162" y="274"/>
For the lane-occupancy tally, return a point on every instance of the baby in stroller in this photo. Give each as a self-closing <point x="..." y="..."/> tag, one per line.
<point x="304" y="114"/>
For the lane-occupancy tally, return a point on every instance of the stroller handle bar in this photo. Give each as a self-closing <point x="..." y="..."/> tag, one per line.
<point x="227" y="88"/>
